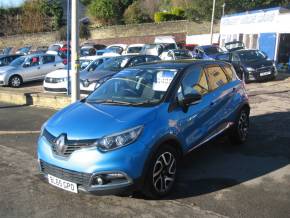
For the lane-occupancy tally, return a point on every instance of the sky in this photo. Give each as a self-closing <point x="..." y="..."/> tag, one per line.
<point x="9" y="3"/>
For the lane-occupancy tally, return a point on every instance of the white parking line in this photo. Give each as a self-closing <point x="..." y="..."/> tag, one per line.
<point x="18" y="132"/>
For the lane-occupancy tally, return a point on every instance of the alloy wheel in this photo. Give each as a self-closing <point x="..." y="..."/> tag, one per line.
<point x="243" y="125"/>
<point x="15" y="81"/>
<point x="164" y="172"/>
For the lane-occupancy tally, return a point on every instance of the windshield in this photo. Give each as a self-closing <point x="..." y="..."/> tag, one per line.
<point x="115" y="64"/>
<point x="134" y="49"/>
<point x="212" y="50"/>
<point x="24" y="49"/>
<point x="134" y="86"/>
<point x="17" y="62"/>
<point x="54" y="48"/>
<point x="84" y="63"/>
<point x="180" y="54"/>
<point x="254" y="55"/>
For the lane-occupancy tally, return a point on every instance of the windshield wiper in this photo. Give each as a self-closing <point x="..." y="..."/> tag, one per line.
<point x="110" y="101"/>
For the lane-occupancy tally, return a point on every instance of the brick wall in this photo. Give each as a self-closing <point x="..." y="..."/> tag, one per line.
<point x="142" y="33"/>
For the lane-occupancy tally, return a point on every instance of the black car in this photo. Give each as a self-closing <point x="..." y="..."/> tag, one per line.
<point x="91" y="80"/>
<point x="250" y="65"/>
<point x="7" y="59"/>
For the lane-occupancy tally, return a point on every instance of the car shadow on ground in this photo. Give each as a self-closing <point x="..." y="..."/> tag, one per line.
<point x="219" y="164"/>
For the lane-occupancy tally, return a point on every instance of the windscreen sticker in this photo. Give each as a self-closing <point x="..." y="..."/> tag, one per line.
<point x="163" y="80"/>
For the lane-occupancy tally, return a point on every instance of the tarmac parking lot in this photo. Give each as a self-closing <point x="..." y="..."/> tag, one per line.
<point x="216" y="180"/>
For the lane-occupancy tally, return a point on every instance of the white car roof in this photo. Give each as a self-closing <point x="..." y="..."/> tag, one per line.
<point x="124" y="46"/>
<point x="136" y="45"/>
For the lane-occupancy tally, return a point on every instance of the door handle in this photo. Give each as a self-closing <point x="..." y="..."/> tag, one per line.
<point x="234" y="89"/>
<point x="212" y="103"/>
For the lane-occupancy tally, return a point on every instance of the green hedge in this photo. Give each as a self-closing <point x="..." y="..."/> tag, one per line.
<point x="165" y="16"/>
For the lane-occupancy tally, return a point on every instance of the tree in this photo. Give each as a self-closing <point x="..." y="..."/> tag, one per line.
<point x="106" y="11"/>
<point x="134" y="14"/>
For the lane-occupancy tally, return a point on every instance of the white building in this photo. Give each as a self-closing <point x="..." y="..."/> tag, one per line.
<point x="267" y="30"/>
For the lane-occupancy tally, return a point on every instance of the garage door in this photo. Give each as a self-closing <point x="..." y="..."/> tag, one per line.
<point x="267" y="44"/>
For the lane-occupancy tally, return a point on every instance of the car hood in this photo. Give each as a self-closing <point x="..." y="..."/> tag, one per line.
<point x="96" y="75"/>
<point x="91" y="121"/>
<point x="6" y="68"/>
<point x="258" y="64"/>
<point x="61" y="73"/>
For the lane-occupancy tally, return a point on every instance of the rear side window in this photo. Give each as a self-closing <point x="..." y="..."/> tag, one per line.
<point x="216" y="77"/>
<point x="48" y="59"/>
<point x="229" y="72"/>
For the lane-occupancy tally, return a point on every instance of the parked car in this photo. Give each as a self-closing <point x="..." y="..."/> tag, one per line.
<point x="250" y="65"/>
<point x="6" y="51"/>
<point x="177" y="54"/>
<point x="91" y="80"/>
<point x="132" y="131"/>
<point x="87" y="51"/>
<point x="93" y="45"/>
<point x="57" y="81"/>
<point x="207" y="52"/>
<point x="55" y="48"/>
<point x="24" y="50"/>
<point x="117" y="48"/>
<point x="134" y="49"/>
<point x="29" y="68"/>
<point x="152" y="49"/>
<point x="7" y="59"/>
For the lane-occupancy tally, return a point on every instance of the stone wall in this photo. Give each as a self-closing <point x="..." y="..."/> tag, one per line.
<point x="142" y="33"/>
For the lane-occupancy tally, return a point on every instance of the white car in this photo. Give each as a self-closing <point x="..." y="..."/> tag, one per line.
<point x="57" y="81"/>
<point x="54" y="49"/>
<point x="134" y="49"/>
<point x="117" y="48"/>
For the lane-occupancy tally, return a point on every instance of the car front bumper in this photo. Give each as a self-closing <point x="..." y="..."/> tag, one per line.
<point x="84" y="166"/>
<point x="55" y="87"/>
<point x="259" y="75"/>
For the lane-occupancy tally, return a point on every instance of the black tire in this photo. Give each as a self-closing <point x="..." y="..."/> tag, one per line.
<point x="161" y="175"/>
<point x="15" y="81"/>
<point x="239" y="132"/>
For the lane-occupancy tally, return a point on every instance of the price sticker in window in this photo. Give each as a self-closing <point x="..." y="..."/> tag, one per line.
<point x="163" y="80"/>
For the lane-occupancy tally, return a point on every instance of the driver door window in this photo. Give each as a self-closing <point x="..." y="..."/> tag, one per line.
<point x="195" y="81"/>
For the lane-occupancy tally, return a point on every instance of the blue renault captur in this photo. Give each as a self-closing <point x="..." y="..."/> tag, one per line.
<point x="131" y="132"/>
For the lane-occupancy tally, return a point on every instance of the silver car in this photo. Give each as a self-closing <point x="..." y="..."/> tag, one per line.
<point x="29" y="68"/>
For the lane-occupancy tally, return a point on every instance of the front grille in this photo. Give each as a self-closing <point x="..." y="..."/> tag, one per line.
<point x="264" y="69"/>
<point x="71" y="145"/>
<point x="65" y="174"/>
<point x="53" y="80"/>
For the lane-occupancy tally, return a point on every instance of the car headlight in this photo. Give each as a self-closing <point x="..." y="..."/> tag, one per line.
<point x="250" y="69"/>
<point x="97" y="85"/>
<point x="118" y="140"/>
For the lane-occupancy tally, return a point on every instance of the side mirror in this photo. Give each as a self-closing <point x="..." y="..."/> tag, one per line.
<point x="26" y="65"/>
<point x="191" y="98"/>
<point x="188" y="99"/>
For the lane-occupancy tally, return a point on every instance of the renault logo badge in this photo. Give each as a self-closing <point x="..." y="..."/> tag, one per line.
<point x="60" y="144"/>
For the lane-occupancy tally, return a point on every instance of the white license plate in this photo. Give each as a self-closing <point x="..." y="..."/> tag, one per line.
<point x="60" y="183"/>
<point x="265" y="73"/>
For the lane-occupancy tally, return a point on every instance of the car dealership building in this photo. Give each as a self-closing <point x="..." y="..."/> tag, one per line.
<point x="267" y="30"/>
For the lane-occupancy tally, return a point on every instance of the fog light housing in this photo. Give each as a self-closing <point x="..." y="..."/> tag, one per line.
<point x="109" y="179"/>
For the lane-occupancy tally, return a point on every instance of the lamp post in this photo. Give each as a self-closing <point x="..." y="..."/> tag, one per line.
<point x="224" y="5"/>
<point x="212" y="20"/>
<point x="68" y="22"/>
<point x="75" y="83"/>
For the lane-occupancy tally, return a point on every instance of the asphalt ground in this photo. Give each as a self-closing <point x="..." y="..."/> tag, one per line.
<point x="216" y="180"/>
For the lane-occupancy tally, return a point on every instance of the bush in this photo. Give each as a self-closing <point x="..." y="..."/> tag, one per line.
<point x="134" y="14"/>
<point x="178" y="12"/>
<point x="105" y="11"/>
<point x="61" y="34"/>
<point x="192" y="14"/>
<point x="165" y="16"/>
